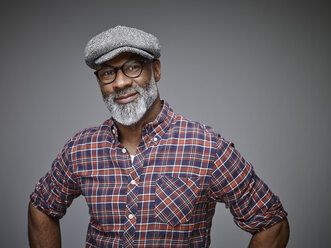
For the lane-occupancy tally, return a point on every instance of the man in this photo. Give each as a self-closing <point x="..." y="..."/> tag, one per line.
<point x="150" y="177"/>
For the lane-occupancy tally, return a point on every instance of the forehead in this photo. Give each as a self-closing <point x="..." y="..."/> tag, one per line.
<point x="122" y="58"/>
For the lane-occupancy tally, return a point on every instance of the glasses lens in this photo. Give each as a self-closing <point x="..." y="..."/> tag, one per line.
<point x="132" y="68"/>
<point x="107" y="75"/>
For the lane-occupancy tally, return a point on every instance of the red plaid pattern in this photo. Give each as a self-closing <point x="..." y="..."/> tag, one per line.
<point x="175" y="199"/>
<point x="167" y="196"/>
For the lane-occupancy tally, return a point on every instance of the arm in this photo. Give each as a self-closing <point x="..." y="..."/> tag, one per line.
<point x="44" y="231"/>
<point x="274" y="237"/>
<point x="251" y="202"/>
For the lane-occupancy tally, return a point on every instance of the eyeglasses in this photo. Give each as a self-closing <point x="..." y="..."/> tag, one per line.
<point x="131" y="69"/>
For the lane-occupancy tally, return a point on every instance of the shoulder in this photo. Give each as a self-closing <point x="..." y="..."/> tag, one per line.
<point x="91" y="134"/>
<point x="182" y="124"/>
<point x="200" y="131"/>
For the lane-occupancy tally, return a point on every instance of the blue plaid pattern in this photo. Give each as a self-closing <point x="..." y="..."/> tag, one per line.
<point x="167" y="196"/>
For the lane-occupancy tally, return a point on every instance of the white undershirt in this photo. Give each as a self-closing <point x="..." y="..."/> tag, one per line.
<point x="132" y="158"/>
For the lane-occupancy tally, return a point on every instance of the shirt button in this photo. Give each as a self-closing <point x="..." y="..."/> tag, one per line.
<point x="123" y="150"/>
<point x="113" y="130"/>
<point x="133" y="182"/>
<point x="155" y="139"/>
<point x="131" y="216"/>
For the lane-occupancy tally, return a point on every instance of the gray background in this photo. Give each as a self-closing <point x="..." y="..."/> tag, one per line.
<point x="257" y="71"/>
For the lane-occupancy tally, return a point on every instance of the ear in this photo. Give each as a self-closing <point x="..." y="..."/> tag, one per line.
<point x="157" y="70"/>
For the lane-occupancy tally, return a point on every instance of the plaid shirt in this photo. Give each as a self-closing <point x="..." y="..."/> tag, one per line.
<point x="167" y="196"/>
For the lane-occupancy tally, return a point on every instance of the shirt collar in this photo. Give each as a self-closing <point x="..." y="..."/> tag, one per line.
<point x="161" y="124"/>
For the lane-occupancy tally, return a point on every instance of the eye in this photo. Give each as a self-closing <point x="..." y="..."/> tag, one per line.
<point x="132" y="66"/>
<point x="107" y="72"/>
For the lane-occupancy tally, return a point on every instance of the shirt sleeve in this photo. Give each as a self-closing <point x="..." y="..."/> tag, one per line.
<point x="55" y="191"/>
<point x="233" y="181"/>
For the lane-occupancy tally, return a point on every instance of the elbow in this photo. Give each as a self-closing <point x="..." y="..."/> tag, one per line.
<point x="284" y="232"/>
<point x="43" y="230"/>
<point x="276" y="236"/>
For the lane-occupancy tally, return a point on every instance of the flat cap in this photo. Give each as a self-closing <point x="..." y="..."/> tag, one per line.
<point x="117" y="40"/>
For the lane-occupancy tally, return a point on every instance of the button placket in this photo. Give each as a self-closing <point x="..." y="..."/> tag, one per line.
<point x="131" y="216"/>
<point x="133" y="190"/>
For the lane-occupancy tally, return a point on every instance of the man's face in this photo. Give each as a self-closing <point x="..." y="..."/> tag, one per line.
<point x="128" y="99"/>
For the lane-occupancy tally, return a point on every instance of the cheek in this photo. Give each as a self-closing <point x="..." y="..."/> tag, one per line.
<point x="106" y="90"/>
<point x="144" y="79"/>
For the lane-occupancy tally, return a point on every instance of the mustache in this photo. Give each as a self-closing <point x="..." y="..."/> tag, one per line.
<point x="126" y="91"/>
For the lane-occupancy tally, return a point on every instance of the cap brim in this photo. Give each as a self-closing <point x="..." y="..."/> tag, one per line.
<point x="112" y="54"/>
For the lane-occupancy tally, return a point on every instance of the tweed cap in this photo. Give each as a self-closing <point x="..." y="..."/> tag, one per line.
<point x="117" y="40"/>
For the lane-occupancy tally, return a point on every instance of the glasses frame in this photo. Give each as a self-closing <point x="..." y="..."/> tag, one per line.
<point x="117" y="68"/>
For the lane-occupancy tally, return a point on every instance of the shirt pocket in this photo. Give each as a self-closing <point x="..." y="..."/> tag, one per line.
<point x="175" y="198"/>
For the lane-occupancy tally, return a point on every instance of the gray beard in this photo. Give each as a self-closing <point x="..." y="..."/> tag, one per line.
<point x="132" y="112"/>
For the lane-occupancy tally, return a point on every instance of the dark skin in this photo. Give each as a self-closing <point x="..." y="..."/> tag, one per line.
<point x="44" y="231"/>
<point x="275" y="237"/>
<point x="130" y="136"/>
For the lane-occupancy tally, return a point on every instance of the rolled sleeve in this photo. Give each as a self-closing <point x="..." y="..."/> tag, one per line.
<point x="55" y="191"/>
<point x="254" y="207"/>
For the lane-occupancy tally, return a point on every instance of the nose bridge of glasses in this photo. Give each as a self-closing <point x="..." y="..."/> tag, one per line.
<point x="121" y="80"/>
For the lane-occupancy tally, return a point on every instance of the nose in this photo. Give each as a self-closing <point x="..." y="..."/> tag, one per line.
<point x="121" y="81"/>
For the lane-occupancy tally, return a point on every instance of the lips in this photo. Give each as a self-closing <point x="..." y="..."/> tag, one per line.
<point x="126" y="98"/>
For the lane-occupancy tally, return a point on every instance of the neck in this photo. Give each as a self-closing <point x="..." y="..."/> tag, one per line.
<point x="130" y="136"/>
